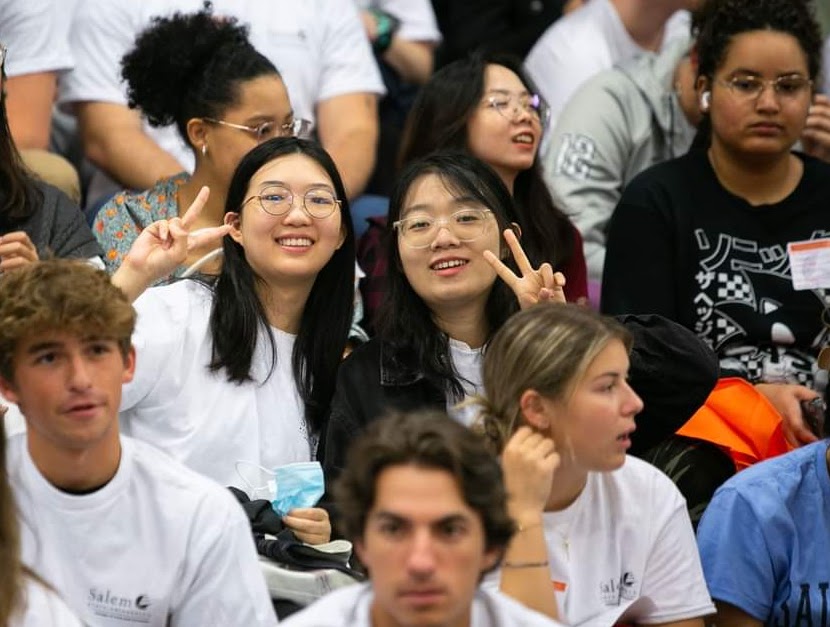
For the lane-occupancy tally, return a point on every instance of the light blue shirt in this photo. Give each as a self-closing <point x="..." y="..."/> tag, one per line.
<point x="765" y="540"/>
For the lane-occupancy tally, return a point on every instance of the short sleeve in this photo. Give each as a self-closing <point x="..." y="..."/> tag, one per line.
<point x="417" y="19"/>
<point x="31" y="31"/>
<point x="116" y="230"/>
<point x="102" y="32"/>
<point x="735" y="554"/>
<point x="347" y="62"/>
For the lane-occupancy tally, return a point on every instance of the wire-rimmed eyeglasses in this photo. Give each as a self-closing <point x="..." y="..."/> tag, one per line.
<point x="419" y="231"/>
<point x="510" y="106"/>
<point x="299" y="127"/>
<point x="749" y="87"/>
<point x="277" y="200"/>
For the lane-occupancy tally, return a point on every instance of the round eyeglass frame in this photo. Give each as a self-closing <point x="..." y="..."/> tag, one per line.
<point x="289" y="205"/>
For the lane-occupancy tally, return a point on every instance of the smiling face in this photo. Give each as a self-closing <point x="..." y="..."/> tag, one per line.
<point x="448" y="272"/>
<point x="593" y="425"/>
<point x="261" y="99"/>
<point x="69" y="390"/>
<point x="292" y="247"/>
<point x="424" y="548"/>
<point x="770" y="123"/>
<point x="499" y="132"/>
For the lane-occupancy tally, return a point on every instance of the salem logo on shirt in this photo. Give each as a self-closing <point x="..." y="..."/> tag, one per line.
<point x="128" y="608"/>
<point x="613" y="591"/>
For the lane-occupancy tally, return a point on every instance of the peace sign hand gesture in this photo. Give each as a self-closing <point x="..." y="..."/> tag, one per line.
<point x="163" y="246"/>
<point x="534" y="286"/>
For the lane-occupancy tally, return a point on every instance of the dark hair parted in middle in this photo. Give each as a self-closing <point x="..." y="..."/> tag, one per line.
<point x="430" y="440"/>
<point x="237" y="314"/>
<point x="438" y="121"/>
<point x="716" y="22"/>
<point x="405" y="321"/>
<point x="190" y="65"/>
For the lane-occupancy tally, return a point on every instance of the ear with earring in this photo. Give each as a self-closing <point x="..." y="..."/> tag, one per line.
<point x="204" y="149"/>
<point x="705" y="101"/>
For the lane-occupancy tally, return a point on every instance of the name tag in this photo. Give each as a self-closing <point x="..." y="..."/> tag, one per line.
<point x="810" y="264"/>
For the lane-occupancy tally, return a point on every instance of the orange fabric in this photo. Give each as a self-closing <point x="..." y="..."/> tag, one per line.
<point x="740" y="420"/>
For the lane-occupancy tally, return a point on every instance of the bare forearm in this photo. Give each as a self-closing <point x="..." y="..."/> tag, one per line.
<point x="29" y="101"/>
<point x="413" y="60"/>
<point x="525" y="574"/>
<point x="348" y="130"/>
<point x="134" y="160"/>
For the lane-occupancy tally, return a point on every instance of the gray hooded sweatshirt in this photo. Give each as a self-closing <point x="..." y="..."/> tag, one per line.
<point x="618" y="124"/>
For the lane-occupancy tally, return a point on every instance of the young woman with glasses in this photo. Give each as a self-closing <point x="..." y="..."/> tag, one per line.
<point x="242" y="369"/>
<point x="489" y="108"/>
<point x="703" y="239"/>
<point x="225" y="98"/>
<point x="456" y="273"/>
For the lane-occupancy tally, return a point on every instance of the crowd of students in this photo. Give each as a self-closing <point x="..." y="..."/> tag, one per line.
<point x="498" y="452"/>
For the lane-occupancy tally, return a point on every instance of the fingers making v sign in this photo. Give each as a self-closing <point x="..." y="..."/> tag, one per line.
<point x="533" y="286"/>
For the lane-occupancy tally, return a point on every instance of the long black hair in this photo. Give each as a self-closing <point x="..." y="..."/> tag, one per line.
<point x="19" y="196"/>
<point x="190" y="65"/>
<point x="238" y="317"/>
<point x="438" y="121"/>
<point x="405" y="322"/>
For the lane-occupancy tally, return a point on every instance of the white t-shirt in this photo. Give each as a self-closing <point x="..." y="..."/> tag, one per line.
<point x="350" y="607"/>
<point x="582" y="44"/>
<point x="417" y="18"/>
<point x="197" y="416"/>
<point x="42" y="607"/>
<point x="158" y="545"/>
<point x="319" y="47"/>
<point x="34" y="34"/>
<point x="467" y="362"/>
<point x="624" y="551"/>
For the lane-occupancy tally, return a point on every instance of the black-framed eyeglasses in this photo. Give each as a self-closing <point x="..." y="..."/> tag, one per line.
<point x="264" y="131"/>
<point x="420" y="231"/>
<point x="509" y="106"/>
<point x="749" y="87"/>
<point x="277" y="200"/>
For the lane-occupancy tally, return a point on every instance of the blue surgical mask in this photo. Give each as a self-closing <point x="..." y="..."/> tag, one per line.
<point x="287" y="487"/>
<point x="298" y="485"/>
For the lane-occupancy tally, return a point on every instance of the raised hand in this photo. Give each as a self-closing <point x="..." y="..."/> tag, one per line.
<point x="533" y="286"/>
<point x="163" y="246"/>
<point x="529" y="461"/>
<point x="815" y="138"/>
<point x="16" y="250"/>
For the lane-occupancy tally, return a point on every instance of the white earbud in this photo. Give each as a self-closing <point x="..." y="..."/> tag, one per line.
<point x="705" y="100"/>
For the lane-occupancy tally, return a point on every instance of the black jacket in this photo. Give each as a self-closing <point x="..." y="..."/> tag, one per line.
<point x="671" y="369"/>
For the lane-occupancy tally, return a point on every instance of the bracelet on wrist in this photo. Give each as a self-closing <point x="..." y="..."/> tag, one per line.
<point x="543" y="564"/>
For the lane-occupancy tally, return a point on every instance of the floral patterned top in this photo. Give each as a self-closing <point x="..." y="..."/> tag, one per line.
<point x="126" y="214"/>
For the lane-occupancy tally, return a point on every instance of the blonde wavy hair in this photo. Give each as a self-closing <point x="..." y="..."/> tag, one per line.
<point x="546" y="348"/>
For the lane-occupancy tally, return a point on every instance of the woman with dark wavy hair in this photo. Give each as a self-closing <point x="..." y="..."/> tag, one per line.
<point x="201" y="73"/>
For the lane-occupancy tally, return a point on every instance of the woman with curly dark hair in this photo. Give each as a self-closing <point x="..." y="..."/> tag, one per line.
<point x="201" y="73"/>
<point x="707" y="239"/>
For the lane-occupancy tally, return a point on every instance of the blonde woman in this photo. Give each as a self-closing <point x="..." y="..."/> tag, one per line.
<point x="603" y="537"/>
